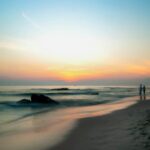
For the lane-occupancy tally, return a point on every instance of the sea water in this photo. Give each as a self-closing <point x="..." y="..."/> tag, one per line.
<point x="22" y="125"/>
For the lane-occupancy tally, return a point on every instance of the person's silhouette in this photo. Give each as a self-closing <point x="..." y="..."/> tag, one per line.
<point x="144" y="91"/>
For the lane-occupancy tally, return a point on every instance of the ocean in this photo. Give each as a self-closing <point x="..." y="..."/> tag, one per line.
<point x="71" y="96"/>
<point x="21" y="125"/>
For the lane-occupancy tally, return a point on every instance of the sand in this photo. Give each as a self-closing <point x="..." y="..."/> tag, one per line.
<point x="126" y="129"/>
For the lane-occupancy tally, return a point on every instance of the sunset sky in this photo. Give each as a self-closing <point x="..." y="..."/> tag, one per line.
<point x="63" y="41"/>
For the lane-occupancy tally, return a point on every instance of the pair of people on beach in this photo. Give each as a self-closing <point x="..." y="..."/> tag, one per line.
<point x="142" y="91"/>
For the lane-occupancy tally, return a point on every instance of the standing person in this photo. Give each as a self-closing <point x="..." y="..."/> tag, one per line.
<point x="144" y="91"/>
<point x="140" y="91"/>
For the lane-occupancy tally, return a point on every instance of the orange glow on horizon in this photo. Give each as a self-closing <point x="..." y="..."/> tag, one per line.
<point x="124" y="71"/>
<point x="34" y="71"/>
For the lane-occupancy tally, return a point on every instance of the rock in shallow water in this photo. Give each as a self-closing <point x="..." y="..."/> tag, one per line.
<point x="60" y="89"/>
<point x="40" y="98"/>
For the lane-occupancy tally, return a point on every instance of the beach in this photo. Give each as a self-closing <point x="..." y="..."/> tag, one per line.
<point x="111" y="119"/>
<point x="128" y="128"/>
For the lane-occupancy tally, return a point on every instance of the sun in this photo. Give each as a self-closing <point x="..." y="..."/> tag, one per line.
<point x="69" y="54"/>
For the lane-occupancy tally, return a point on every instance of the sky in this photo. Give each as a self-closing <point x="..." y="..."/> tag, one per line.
<point x="74" y="41"/>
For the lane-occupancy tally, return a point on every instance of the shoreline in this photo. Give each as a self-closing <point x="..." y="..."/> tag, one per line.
<point x="125" y="128"/>
<point x="49" y="130"/>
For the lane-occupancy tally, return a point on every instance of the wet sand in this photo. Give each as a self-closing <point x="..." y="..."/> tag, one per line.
<point x="126" y="129"/>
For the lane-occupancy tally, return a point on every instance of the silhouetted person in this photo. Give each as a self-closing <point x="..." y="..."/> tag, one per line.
<point x="144" y="91"/>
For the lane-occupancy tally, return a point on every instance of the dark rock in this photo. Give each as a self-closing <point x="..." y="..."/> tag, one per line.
<point x="24" y="101"/>
<point x="61" y="89"/>
<point x="40" y="98"/>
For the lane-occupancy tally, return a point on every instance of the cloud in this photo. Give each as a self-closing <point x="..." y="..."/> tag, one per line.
<point x="31" y="21"/>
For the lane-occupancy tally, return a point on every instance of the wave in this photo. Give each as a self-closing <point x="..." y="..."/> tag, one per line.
<point x="51" y="94"/>
<point x="21" y="105"/>
<point x="68" y="96"/>
<point x="64" y="103"/>
<point x="70" y="91"/>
